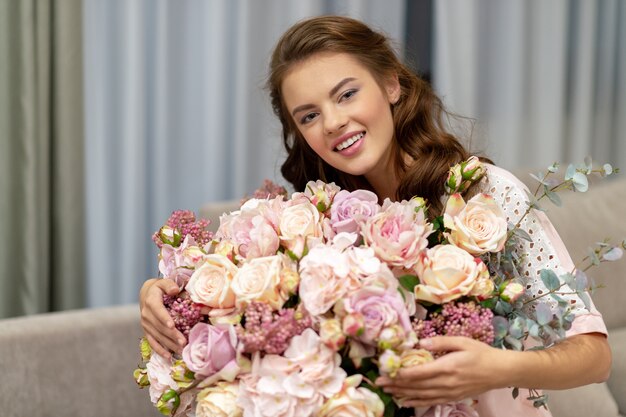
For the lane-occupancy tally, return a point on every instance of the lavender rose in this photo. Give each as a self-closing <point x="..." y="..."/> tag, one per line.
<point x="349" y="208"/>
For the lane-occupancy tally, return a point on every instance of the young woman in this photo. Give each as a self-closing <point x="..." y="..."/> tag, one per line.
<point x="353" y="114"/>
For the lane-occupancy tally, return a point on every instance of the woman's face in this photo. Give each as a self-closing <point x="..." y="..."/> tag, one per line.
<point x="342" y="112"/>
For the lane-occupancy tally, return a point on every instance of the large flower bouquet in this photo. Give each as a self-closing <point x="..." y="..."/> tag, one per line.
<point x="296" y="305"/>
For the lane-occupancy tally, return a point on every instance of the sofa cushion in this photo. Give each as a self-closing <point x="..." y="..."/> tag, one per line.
<point x="591" y="400"/>
<point x="76" y="363"/>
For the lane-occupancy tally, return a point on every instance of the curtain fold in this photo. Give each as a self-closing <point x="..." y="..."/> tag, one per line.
<point x="42" y="254"/>
<point x="177" y="116"/>
<point x="544" y="80"/>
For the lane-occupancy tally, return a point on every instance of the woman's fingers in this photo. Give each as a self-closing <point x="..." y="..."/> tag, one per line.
<point x="155" y="319"/>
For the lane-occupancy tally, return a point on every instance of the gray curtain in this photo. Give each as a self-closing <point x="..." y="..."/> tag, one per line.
<point x="41" y="157"/>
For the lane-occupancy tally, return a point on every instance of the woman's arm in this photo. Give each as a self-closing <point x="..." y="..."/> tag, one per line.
<point x="157" y="324"/>
<point x="473" y="367"/>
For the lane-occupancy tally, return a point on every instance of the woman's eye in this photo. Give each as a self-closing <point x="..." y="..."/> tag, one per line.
<point x="348" y="95"/>
<point x="307" y="118"/>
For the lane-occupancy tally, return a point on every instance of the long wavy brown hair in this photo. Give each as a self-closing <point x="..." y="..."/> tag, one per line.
<point x="418" y="115"/>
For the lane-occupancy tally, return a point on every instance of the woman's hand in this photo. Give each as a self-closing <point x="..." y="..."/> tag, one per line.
<point x="155" y="320"/>
<point x="471" y="368"/>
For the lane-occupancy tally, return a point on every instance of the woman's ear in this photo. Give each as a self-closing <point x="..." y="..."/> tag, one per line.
<point x="392" y="87"/>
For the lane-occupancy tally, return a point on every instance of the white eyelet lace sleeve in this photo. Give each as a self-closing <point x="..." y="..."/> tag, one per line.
<point x="546" y="251"/>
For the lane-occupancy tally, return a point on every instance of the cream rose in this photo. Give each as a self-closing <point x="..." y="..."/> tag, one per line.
<point x="446" y="273"/>
<point x="414" y="357"/>
<point x="479" y="226"/>
<point x="353" y="401"/>
<point x="210" y="284"/>
<point x="260" y="280"/>
<point x="219" y="401"/>
<point x="298" y="223"/>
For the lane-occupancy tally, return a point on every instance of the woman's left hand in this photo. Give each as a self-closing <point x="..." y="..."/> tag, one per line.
<point x="470" y="368"/>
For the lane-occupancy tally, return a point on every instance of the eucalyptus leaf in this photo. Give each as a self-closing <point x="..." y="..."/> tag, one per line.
<point x="580" y="182"/>
<point x="550" y="280"/>
<point x="516" y="328"/>
<point x="533" y="331"/>
<point x="569" y="172"/>
<point x="613" y="254"/>
<point x="554" y="197"/>
<point x="582" y="282"/>
<point x="500" y="327"/>
<point x="513" y="342"/>
<point x="539" y="177"/>
<point x="585" y="298"/>
<point x="522" y="234"/>
<point x="595" y="261"/>
<point x="544" y="314"/>
<point x="569" y="279"/>
<point x="607" y="169"/>
<point x="588" y="164"/>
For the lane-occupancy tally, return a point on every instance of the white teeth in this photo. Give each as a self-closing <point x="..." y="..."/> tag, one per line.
<point x="349" y="141"/>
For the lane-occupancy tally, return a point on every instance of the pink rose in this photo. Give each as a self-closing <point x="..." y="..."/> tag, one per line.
<point x="380" y="309"/>
<point x="159" y="374"/>
<point x="479" y="226"/>
<point x="251" y="229"/>
<point x="178" y="263"/>
<point x="323" y="282"/>
<point x="399" y="233"/>
<point x="210" y="348"/>
<point x="210" y="284"/>
<point x="446" y="273"/>
<point x="350" y="208"/>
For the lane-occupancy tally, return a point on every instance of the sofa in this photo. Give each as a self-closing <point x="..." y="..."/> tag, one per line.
<point x="80" y="363"/>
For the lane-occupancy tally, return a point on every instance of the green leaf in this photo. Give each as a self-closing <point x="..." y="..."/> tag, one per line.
<point x="409" y="282"/>
<point x="550" y="280"/>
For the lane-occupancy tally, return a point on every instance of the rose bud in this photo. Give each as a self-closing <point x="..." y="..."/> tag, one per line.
<point x="512" y="292"/>
<point x="389" y="363"/>
<point x="331" y="334"/>
<point x="354" y="324"/>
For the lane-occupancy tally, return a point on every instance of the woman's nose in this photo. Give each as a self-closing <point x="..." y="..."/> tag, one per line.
<point x="334" y="121"/>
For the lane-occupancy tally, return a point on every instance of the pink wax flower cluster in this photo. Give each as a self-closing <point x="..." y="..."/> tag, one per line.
<point x="297" y="303"/>
<point x="183" y="223"/>
<point x="467" y="319"/>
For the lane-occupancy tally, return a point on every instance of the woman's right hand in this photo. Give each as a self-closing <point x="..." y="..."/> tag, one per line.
<point x="157" y="324"/>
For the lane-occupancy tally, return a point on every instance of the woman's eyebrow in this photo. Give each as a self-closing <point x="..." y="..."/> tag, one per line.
<point x="331" y="93"/>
